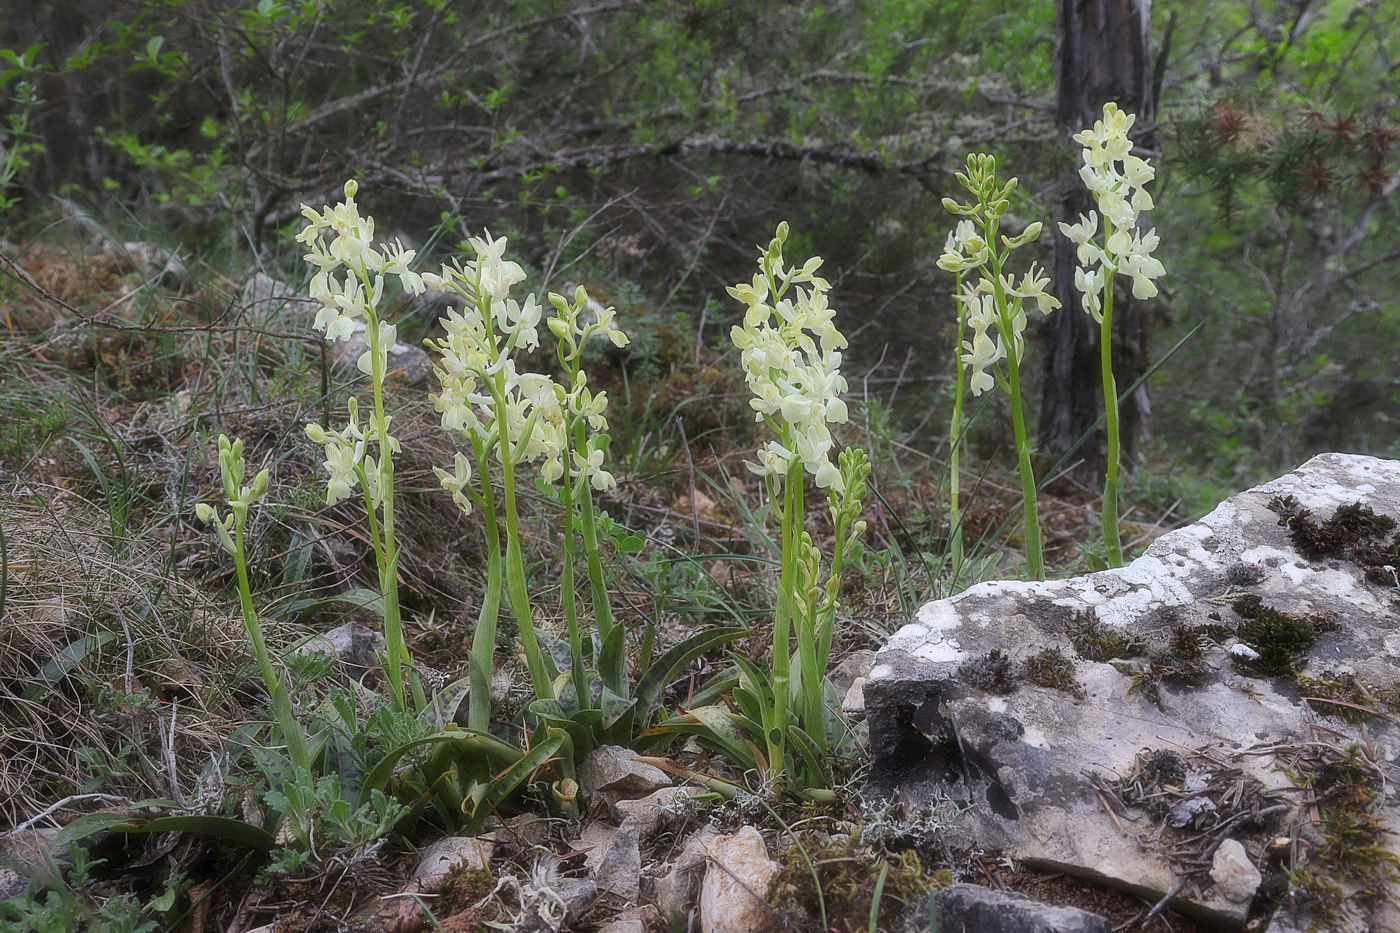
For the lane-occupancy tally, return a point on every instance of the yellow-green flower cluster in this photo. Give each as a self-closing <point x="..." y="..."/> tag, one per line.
<point x="790" y="352"/>
<point x="356" y="293"/>
<point x="349" y="284"/>
<point x="486" y="398"/>
<point x="240" y="497"/>
<point x="967" y="250"/>
<point x="1118" y="180"/>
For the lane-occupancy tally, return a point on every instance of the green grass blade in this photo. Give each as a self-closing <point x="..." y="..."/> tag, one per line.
<point x="878" y="896"/>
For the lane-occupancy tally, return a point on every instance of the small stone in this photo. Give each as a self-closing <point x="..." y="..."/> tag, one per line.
<point x="595" y="839"/>
<point x="676" y="891"/>
<point x="357" y="648"/>
<point x="620" y="872"/>
<point x="655" y="809"/>
<point x="854" y="701"/>
<point x="611" y="768"/>
<point x="1234" y="873"/>
<point x="973" y="907"/>
<point x="733" y="894"/>
<point x="406" y="363"/>
<point x="1189" y="810"/>
<point x="854" y="666"/>
<point x="634" y="920"/>
<point x="26" y="850"/>
<point x="577" y="893"/>
<point x="445" y="854"/>
<point x="157" y="263"/>
<point x="276" y="302"/>
<point x="1244" y="652"/>
<point x="12" y="884"/>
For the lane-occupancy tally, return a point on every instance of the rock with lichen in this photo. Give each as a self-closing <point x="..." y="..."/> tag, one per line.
<point x="1124" y="725"/>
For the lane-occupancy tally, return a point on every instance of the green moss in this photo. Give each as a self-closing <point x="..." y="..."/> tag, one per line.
<point x="847" y="874"/>
<point x="1147" y="680"/>
<point x="1279" y="637"/>
<point x="993" y="672"/>
<point x="1186" y="644"/>
<point x="1354" y="532"/>
<point x="1098" y="642"/>
<point x="1050" y="668"/>
<point x="1163" y="766"/>
<point x="1356" y="701"/>
<point x="1351" y="866"/>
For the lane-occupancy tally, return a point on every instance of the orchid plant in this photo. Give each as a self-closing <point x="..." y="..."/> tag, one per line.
<point x="1117" y="179"/>
<point x="962" y="233"/>
<point x="508" y="417"/>
<point x="229" y="527"/>
<point x="994" y="306"/>
<point x="349" y="284"/>
<point x="790" y="350"/>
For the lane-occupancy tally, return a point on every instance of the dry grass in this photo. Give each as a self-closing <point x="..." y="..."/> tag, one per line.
<point x="123" y="387"/>
<point x="140" y="644"/>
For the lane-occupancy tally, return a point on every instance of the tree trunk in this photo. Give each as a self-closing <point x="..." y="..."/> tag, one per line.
<point x="1104" y="56"/>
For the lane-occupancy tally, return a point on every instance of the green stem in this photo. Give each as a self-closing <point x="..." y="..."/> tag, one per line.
<point x="570" y="600"/>
<point x="812" y="673"/>
<point x="386" y="554"/>
<point x="955" y="541"/>
<point x="297" y="751"/>
<point x="540" y="676"/>
<point x="616" y="674"/>
<point x="1035" y="561"/>
<point x="1112" y="544"/>
<point x="484" y="640"/>
<point x="776" y="737"/>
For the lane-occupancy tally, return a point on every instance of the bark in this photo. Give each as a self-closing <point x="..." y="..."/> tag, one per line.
<point x="1104" y="55"/>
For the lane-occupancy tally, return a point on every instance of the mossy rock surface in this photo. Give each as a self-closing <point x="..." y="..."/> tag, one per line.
<point x="1060" y="711"/>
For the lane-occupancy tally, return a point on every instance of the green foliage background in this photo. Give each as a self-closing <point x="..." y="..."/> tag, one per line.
<point x="646" y="147"/>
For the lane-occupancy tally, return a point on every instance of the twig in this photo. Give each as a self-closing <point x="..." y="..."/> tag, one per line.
<point x="1161" y="905"/>
<point x="167" y="749"/>
<point x="27" y="279"/>
<point x="63" y="803"/>
<point x="1113" y="816"/>
<point x="694" y="505"/>
<point x="1221" y="834"/>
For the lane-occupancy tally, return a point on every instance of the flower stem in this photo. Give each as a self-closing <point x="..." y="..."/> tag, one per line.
<point x="394" y="648"/>
<point x="955" y="540"/>
<point x="484" y="640"/>
<point x="1035" y="560"/>
<point x="1112" y="545"/>
<point x="515" y="573"/>
<point x="570" y="599"/>
<point x="615" y="674"/>
<point x="776" y="737"/>
<point x="297" y="751"/>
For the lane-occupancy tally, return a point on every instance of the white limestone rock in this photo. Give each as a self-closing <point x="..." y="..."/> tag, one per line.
<point x="732" y="897"/>
<point x="612" y="768"/>
<point x="1025" y="760"/>
<point x="442" y="856"/>
<point x="1234" y="873"/>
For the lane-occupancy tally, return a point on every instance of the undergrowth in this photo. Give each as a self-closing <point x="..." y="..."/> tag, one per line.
<point x="127" y="673"/>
